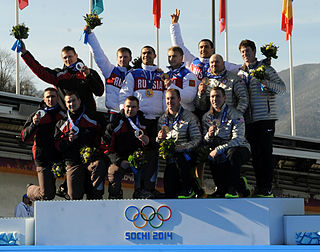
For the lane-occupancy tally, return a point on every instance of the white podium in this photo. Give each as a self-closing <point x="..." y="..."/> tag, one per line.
<point x="187" y="222"/>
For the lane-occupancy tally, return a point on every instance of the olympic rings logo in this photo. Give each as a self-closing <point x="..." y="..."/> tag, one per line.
<point x="140" y="218"/>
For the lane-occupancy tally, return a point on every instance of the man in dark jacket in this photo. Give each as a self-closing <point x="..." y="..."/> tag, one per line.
<point x="127" y="133"/>
<point x="74" y="76"/>
<point x="77" y="136"/>
<point x="40" y="128"/>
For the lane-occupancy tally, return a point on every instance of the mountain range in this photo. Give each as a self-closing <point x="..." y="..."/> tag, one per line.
<point x="307" y="103"/>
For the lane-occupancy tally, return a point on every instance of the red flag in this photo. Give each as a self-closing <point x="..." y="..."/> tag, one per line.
<point x="287" y="18"/>
<point x="222" y="15"/>
<point x="23" y="4"/>
<point x="156" y="12"/>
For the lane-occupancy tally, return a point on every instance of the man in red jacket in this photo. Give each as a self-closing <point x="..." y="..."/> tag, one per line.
<point x="74" y="76"/>
<point x="40" y="128"/>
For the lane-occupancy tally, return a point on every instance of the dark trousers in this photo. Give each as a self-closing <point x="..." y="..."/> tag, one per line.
<point x="148" y="175"/>
<point x="260" y="136"/>
<point x="226" y="174"/>
<point x="87" y="178"/>
<point x="179" y="176"/>
<point x="47" y="185"/>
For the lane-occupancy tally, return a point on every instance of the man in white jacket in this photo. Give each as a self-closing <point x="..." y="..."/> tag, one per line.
<point x="199" y="66"/>
<point x="146" y="84"/>
<point x="114" y="74"/>
<point x="181" y="78"/>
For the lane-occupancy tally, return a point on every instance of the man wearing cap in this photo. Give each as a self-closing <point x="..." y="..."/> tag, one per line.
<point x="24" y="208"/>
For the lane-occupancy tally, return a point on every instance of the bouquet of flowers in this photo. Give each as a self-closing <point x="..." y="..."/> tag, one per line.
<point x="20" y="31"/>
<point x="58" y="169"/>
<point x="259" y="73"/>
<point x="269" y="50"/>
<point x="167" y="147"/>
<point x="92" y="20"/>
<point x="86" y="154"/>
<point x="136" y="160"/>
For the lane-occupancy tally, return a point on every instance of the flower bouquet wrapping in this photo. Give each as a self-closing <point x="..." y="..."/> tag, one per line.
<point x="86" y="154"/>
<point x="167" y="148"/>
<point x="92" y="20"/>
<point x="58" y="169"/>
<point x="269" y="50"/>
<point x="136" y="161"/>
<point x="19" y="32"/>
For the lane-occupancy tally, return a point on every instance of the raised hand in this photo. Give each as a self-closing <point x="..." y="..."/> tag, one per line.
<point x="175" y="17"/>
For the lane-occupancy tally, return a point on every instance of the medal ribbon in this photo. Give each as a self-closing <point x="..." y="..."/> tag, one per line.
<point x="166" y="123"/>
<point x="224" y="115"/>
<point x="74" y="124"/>
<point x="47" y="109"/>
<point x="136" y="125"/>
<point x="17" y="45"/>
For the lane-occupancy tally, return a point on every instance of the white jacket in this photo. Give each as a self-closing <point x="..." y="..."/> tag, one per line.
<point x="114" y="75"/>
<point x="136" y="84"/>
<point x="176" y="40"/>
<point x="186" y="82"/>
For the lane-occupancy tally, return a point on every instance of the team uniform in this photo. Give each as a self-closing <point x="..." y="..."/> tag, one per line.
<point x="260" y="121"/>
<point x="199" y="66"/>
<point x="44" y="152"/>
<point x="82" y="176"/>
<point x="179" y="176"/>
<point x="186" y="82"/>
<point x="235" y="89"/>
<point x="232" y="148"/>
<point x="124" y="142"/>
<point x="146" y="84"/>
<point x="68" y="79"/>
<point x="114" y="75"/>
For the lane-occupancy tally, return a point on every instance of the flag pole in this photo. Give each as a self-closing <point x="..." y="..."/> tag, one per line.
<point x="292" y="100"/>
<point x="157" y="42"/>
<point x="213" y="27"/>
<point x="17" y="54"/>
<point x="90" y="53"/>
<point x="226" y="32"/>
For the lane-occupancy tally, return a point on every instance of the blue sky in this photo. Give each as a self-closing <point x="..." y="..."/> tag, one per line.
<point x="54" y="24"/>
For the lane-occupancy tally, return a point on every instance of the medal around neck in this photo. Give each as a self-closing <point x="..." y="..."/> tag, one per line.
<point x="165" y="76"/>
<point x="149" y="92"/>
<point x="41" y="113"/>
<point x="216" y="122"/>
<point x="138" y="133"/>
<point x="205" y="80"/>
<point x="165" y="129"/>
<point x="75" y="129"/>
<point x="79" y="66"/>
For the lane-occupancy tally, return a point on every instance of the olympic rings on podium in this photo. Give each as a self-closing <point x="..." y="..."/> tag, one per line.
<point x="147" y="217"/>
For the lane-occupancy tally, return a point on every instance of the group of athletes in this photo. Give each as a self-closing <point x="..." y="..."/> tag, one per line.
<point x="216" y="113"/>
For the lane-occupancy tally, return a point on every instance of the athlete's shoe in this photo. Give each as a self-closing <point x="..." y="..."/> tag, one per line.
<point x="244" y="188"/>
<point x="263" y="193"/>
<point x="188" y="194"/>
<point x="233" y="195"/>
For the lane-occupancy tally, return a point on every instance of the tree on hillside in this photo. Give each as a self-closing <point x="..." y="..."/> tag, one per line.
<point x="8" y="75"/>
